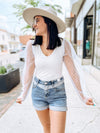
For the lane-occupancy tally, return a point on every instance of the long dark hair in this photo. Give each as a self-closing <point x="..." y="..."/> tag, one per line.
<point x="54" y="40"/>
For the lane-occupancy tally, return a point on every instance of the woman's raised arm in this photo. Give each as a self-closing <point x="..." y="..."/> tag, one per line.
<point x="75" y="72"/>
<point x="27" y="72"/>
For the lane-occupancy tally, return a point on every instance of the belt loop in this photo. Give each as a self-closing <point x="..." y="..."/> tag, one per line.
<point x="37" y="81"/>
<point x="53" y="83"/>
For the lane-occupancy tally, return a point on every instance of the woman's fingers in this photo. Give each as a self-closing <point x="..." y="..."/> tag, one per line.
<point x="89" y="101"/>
<point x="19" y="100"/>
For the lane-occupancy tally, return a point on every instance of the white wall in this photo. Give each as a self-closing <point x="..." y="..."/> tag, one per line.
<point x="85" y="9"/>
<point x="8" y="40"/>
<point x="73" y="1"/>
<point x="5" y="40"/>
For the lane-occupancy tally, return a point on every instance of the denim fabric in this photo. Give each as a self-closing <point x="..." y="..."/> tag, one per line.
<point x="49" y="94"/>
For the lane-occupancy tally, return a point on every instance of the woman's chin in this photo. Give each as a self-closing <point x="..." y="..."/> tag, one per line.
<point x="37" y="33"/>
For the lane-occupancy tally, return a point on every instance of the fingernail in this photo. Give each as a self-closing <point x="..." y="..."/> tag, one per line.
<point x="94" y="105"/>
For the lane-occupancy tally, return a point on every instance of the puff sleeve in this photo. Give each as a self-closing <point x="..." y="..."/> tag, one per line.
<point x="74" y="69"/>
<point x="28" y="70"/>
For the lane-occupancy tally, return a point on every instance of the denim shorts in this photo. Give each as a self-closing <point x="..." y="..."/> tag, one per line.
<point x="49" y="94"/>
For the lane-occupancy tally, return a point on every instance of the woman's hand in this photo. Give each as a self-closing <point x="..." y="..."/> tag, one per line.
<point x="19" y="99"/>
<point x="88" y="101"/>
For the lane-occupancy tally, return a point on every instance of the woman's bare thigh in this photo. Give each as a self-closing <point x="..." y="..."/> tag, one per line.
<point x="44" y="118"/>
<point x="57" y="121"/>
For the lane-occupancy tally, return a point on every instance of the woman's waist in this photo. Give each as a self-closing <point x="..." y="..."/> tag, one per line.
<point x="48" y="84"/>
<point x="48" y="75"/>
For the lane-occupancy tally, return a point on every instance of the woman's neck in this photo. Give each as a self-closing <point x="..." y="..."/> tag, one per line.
<point x="45" y="41"/>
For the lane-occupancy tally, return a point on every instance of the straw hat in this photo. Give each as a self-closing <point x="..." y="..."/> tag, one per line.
<point x="46" y="11"/>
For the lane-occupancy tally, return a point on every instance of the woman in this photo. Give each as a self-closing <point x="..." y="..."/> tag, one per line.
<point x="44" y="60"/>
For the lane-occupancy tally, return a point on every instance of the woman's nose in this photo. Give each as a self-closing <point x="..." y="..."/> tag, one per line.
<point x="34" y="26"/>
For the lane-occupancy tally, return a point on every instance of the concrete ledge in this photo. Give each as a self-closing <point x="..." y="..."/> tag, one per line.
<point x="86" y="61"/>
<point x="95" y="72"/>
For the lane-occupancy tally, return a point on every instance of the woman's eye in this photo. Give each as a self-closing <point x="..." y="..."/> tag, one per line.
<point x="37" y="20"/>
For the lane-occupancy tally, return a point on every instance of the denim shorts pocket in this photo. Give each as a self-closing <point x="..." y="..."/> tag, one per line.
<point x="60" y="88"/>
<point x="35" y="84"/>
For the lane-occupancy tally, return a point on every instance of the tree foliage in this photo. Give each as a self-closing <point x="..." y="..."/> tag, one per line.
<point x="32" y="3"/>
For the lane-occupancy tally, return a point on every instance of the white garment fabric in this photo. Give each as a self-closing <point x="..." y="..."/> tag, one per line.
<point x="50" y="67"/>
<point x="74" y="68"/>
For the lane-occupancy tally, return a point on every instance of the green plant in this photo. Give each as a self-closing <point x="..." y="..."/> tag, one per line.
<point x="9" y="66"/>
<point x="3" y="70"/>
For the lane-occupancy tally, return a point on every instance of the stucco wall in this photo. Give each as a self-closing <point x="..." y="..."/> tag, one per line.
<point x="85" y="9"/>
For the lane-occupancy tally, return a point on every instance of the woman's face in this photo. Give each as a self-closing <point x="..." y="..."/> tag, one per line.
<point x="40" y="26"/>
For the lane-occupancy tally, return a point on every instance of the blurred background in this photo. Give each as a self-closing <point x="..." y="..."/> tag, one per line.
<point x="82" y="27"/>
<point x="82" y="19"/>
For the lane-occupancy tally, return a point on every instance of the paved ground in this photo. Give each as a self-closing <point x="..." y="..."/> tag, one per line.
<point x="81" y="118"/>
<point x="7" y="99"/>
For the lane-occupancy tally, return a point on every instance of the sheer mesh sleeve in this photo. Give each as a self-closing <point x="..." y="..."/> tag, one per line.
<point x="74" y="69"/>
<point x="28" y="70"/>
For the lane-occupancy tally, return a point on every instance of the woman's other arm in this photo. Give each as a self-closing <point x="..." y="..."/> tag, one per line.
<point x="27" y="72"/>
<point x="74" y="73"/>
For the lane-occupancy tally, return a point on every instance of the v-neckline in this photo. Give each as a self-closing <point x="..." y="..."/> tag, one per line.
<point x="46" y="55"/>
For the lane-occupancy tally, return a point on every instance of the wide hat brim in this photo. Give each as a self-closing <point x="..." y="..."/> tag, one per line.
<point x="30" y="13"/>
